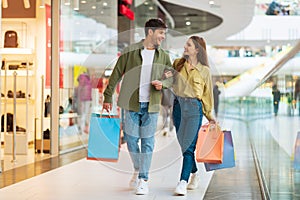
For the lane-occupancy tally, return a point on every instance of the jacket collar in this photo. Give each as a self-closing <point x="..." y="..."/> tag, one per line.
<point x="141" y="46"/>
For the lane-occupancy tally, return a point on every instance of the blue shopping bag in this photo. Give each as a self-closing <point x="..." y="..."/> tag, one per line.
<point x="297" y="153"/>
<point x="228" y="154"/>
<point x="104" y="137"/>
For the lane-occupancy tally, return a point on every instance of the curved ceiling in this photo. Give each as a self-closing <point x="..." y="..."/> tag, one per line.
<point x="187" y="20"/>
<point x="224" y="10"/>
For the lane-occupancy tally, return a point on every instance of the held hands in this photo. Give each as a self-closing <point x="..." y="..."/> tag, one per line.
<point x="107" y="107"/>
<point x="212" y="121"/>
<point x="213" y="124"/>
<point x="157" y="84"/>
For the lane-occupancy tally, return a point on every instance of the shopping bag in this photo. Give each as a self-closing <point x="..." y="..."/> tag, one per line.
<point x="228" y="154"/>
<point x="209" y="148"/>
<point x="104" y="137"/>
<point x="297" y="153"/>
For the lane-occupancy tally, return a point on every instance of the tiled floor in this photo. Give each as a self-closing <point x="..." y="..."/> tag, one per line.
<point x="85" y="179"/>
<point x="71" y="176"/>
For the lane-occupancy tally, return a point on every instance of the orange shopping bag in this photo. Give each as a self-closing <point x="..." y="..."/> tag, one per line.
<point x="210" y="144"/>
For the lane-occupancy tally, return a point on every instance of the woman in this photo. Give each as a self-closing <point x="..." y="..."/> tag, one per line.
<point x="194" y="97"/>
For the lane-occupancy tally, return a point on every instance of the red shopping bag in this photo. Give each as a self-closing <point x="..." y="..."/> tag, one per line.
<point x="210" y="144"/>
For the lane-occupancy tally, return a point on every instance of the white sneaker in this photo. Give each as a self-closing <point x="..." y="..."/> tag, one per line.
<point x="142" y="187"/>
<point x="181" y="188"/>
<point x="194" y="182"/>
<point x="134" y="180"/>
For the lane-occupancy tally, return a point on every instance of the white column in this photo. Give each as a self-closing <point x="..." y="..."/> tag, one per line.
<point x="55" y="10"/>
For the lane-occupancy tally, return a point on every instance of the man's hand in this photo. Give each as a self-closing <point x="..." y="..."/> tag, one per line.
<point x="157" y="84"/>
<point x="107" y="107"/>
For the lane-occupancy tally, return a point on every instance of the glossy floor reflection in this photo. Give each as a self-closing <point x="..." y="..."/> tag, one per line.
<point x="71" y="176"/>
<point x="274" y="140"/>
<point x="85" y="179"/>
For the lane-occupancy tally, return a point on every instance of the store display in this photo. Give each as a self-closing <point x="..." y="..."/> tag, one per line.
<point x="17" y="79"/>
<point x="9" y="122"/>
<point x="3" y="65"/>
<point x="13" y="67"/>
<point x="46" y="134"/>
<point x="10" y="94"/>
<point x="20" y="94"/>
<point x="11" y="39"/>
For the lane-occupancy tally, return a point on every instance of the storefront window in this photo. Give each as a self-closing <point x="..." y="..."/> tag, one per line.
<point x="88" y="46"/>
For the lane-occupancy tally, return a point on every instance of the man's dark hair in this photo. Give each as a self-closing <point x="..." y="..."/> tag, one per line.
<point x="154" y="24"/>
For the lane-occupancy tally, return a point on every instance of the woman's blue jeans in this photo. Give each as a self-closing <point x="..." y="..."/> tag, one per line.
<point x="140" y="126"/>
<point x="187" y="116"/>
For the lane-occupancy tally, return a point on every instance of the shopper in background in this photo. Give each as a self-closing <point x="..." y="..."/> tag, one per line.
<point x="47" y="106"/>
<point x="297" y="96"/>
<point x="194" y="97"/>
<point x="167" y="101"/>
<point x="145" y="69"/>
<point x="83" y="96"/>
<point x="276" y="99"/>
<point x="216" y="93"/>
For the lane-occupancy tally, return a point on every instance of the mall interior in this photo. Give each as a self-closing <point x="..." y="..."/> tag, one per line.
<point x="49" y="46"/>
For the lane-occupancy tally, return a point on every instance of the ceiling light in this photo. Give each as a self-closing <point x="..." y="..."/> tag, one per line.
<point x="151" y="8"/>
<point x="211" y="2"/>
<point x="42" y="3"/>
<point x="188" y="23"/>
<point x="94" y="7"/>
<point x="104" y="4"/>
<point x="83" y="2"/>
<point x="26" y="4"/>
<point x="76" y="4"/>
<point x="4" y="4"/>
<point x="67" y="2"/>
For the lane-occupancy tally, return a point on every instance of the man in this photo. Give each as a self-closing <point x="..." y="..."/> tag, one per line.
<point x="216" y="93"/>
<point x="276" y="99"/>
<point x="145" y="69"/>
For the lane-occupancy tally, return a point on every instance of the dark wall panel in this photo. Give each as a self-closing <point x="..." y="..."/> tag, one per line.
<point x="16" y="9"/>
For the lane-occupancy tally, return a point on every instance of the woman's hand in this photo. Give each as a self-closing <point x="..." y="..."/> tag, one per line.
<point x="212" y="121"/>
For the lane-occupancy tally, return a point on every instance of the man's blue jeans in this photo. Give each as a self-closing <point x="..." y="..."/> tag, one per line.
<point x="140" y="126"/>
<point x="187" y="115"/>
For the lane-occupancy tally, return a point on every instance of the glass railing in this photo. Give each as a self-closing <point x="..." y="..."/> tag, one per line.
<point x="242" y="107"/>
<point x="272" y="139"/>
<point x="280" y="8"/>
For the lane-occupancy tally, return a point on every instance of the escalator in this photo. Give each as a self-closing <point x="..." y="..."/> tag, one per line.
<point x="248" y="81"/>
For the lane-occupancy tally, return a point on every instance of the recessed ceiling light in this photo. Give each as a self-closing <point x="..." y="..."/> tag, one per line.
<point x="188" y="23"/>
<point x="211" y="2"/>
<point x="151" y="8"/>
<point x="104" y="4"/>
<point x="26" y="4"/>
<point x="83" y="2"/>
<point x="75" y="4"/>
<point x="67" y="2"/>
<point x="4" y="4"/>
<point x="94" y="7"/>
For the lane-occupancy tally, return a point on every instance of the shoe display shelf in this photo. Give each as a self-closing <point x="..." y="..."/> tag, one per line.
<point x="18" y="86"/>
